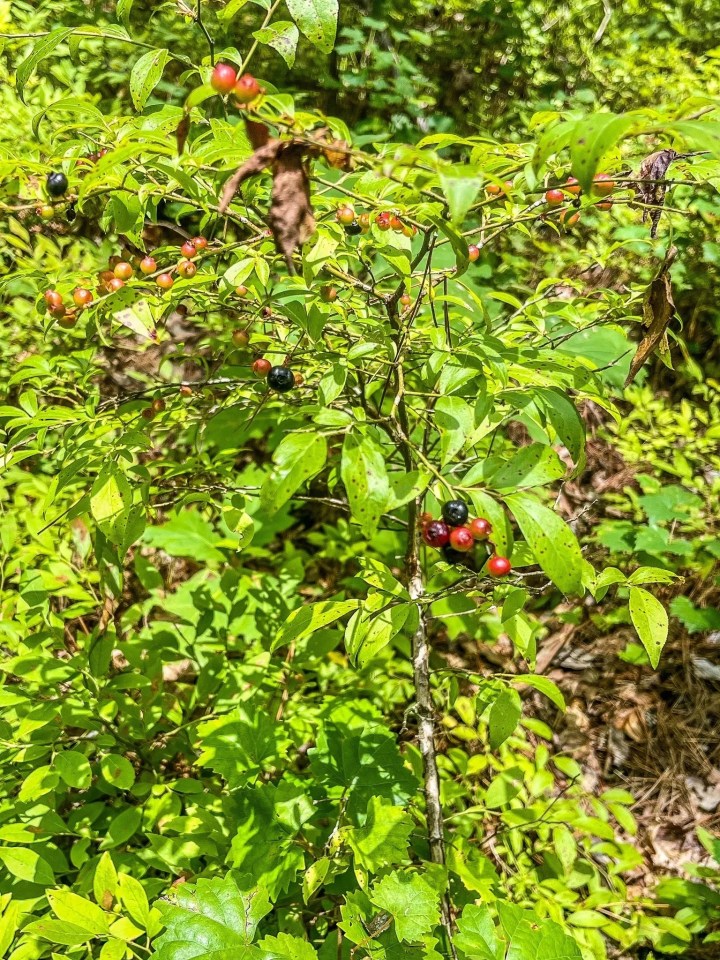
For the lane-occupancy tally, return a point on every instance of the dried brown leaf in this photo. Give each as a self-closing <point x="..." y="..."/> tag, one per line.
<point x="658" y="311"/>
<point x="651" y="188"/>
<point x="181" y="133"/>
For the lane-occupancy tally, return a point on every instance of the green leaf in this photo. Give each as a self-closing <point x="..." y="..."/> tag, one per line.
<point x="555" y="139"/>
<point x="455" y="420"/>
<point x="110" y="502"/>
<point x="105" y="881"/>
<point x="145" y="75"/>
<point x="42" y="49"/>
<point x="134" y="899"/>
<point x="9" y="926"/>
<point x="317" y="20"/>
<point x="367" y="633"/>
<point x="298" y="457"/>
<point x="286" y="947"/>
<point x="59" y="931"/>
<point x="411" y="901"/>
<point x="405" y="487"/>
<point x="74" y="769"/>
<point x="231" y="8"/>
<point x="590" y="141"/>
<point x="122" y="827"/>
<point x="383" y="840"/>
<point x="212" y="920"/>
<point x="544" y="685"/>
<point x="25" y="864"/>
<point x="504" y="717"/>
<point x="72" y="908"/>
<point x="460" y="190"/>
<point x="476" y="936"/>
<point x="186" y="535"/>
<point x="551" y="541"/>
<point x="531" y="466"/>
<point x="122" y="11"/>
<point x="701" y="134"/>
<point x="117" y="771"/>
<point x="567" y="422"/>
<point x="365" y="478"/>
<point x="242" y="745"/>
<point x="650" y="619"/>
<point x="282" y="36"/>
<point x="309" y="619"/>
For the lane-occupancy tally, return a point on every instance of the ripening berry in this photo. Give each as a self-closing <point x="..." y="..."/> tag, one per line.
<point x="240" y="338"/>
<point x="115" y="284"/>
<point x="396" y="223"/>
<point x="224" y="78"/>
<point x="82" y="297"/>
<point x="241" y="290"/>
<point x="328" y="294"/>
<point x="267" y="312"/>
<point x="409" y="230"/>
<point x="455" y="513"/>
<point x="261" y="367"/>
<point x="462" y="539"/>
<point x="148" y="413"/>
<point x="572" y="186"/>
<point x="424" y="519"/>
<point x="186" y="391"/>
<point x="405" y="300"/>
<point x="364" y="221"/>
<point x="186" y="269"/>
<point x="56" y="184"/>
<point x="499" y="566"/>
<point x="494" y="189"/>
<point x="436" y="534"/>
<point x="246" y="89"/>
<point x="473" y="253"/>
<point x="603" y="184"/>
<point x="281" y="379"/>
<point x="299" y="379"/>
<point x="604" y="205"/>
<point x="382" y="221"/>
<point x="53" y="298"/>
<point x="480" y="528"/>
<point x="158" y="405"/>
<point x="188" y="250"/>
<point x="148" y="265"/>
<point x="164" y="281"/>
<point x="46" y="211"/>
<point x="345" y="214"/>
<point x="68" y="320"/>
<point x="200" y="243"/>
<point x="56" y="310"/>
<point x="554" y="198"/>
<point x="123" y="270"/>
<point x="569" y="218"/>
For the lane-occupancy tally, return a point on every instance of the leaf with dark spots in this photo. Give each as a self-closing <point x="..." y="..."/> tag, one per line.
<point x="658" y="311"/>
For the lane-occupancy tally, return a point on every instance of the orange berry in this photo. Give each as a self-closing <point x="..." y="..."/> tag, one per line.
<point x="603" y="184"/>
<point x="188" y="250"/>
<point x="473" y="253"/>
<point x="148" y="265"/>
<point x="123" y="270"/>
<point x="82" y="297"/>
<point x="186" y="269"/>
<point x="554" y="197"/>
<point x="164" y="281"/>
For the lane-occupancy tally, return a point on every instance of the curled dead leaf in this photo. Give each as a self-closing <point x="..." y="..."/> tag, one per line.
<point x="651" y="187"/>
<point x="658" y="311"/>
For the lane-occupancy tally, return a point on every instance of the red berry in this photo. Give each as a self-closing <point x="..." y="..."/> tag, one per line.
<point x="186" y="391"/>
<point x="53" y="298"/>
<point x="604" y="205"/>
<point x="223" y="78"/>
<point x="164" y="281"/>
<point x="200" y="243"/>
<point x="554" y="197"/>
<point x="603" y="184"/>
<point x="345" y="214"/>
<point x="480" y="528"/>
<point x="148" y="413"/>
<point x="409" y="230"/>
<point x="115" y="284"/>
<point x="123" y="270"/>
<point x="188" y="250"/>
<point x="383" y="221"/>
<point x="148" y="265"/>
<point x="186" y="269"/>
<point x="569" y="218"/>
<point x="494" y="189"/>
<point x="246" y="89"/>
<point x="82" y="297"/>
<point x="436" y="534"/>
<point x="473" y="253"/>
<point x="240" y="338"/>
<point x="261" y="367"/>
<point x="499" y="566"/>
<point x="461" y="539"/>
<point x="573" y="187"/>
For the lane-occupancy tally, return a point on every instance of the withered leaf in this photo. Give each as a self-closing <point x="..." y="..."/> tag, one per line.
<point x="291" y="218"/>
<point x="658" y="311"/>
<point x="181" y="133"/>
<point x="651" y="188"/>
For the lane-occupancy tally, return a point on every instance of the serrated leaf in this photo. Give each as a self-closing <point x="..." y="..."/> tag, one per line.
<point x="317" y="20"/>
<point x="286" y="947"/>
<point x="650" y="619"/>
<point x="145" y="75"/>
<point x="412" y="903"/>
<point x="552" y="542"/>
<point x="383" y="840"/>
<point x="282" y="36"/>
<point x="476" y="936"/>
<point x="241" y="745"/>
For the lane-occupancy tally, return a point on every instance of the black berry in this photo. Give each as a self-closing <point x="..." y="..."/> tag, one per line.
<point x="281" y="379"/>
<point x="57" y="184"/>
<point x="455" y="512"/>
<point x="353" y="229"/>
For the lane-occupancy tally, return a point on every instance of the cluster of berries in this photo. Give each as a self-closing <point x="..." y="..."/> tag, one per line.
<point x="456" y="534"/>
<point x="355" y="224"/>
<point x="225" y="80"/>
<point x="603" y="186"/>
